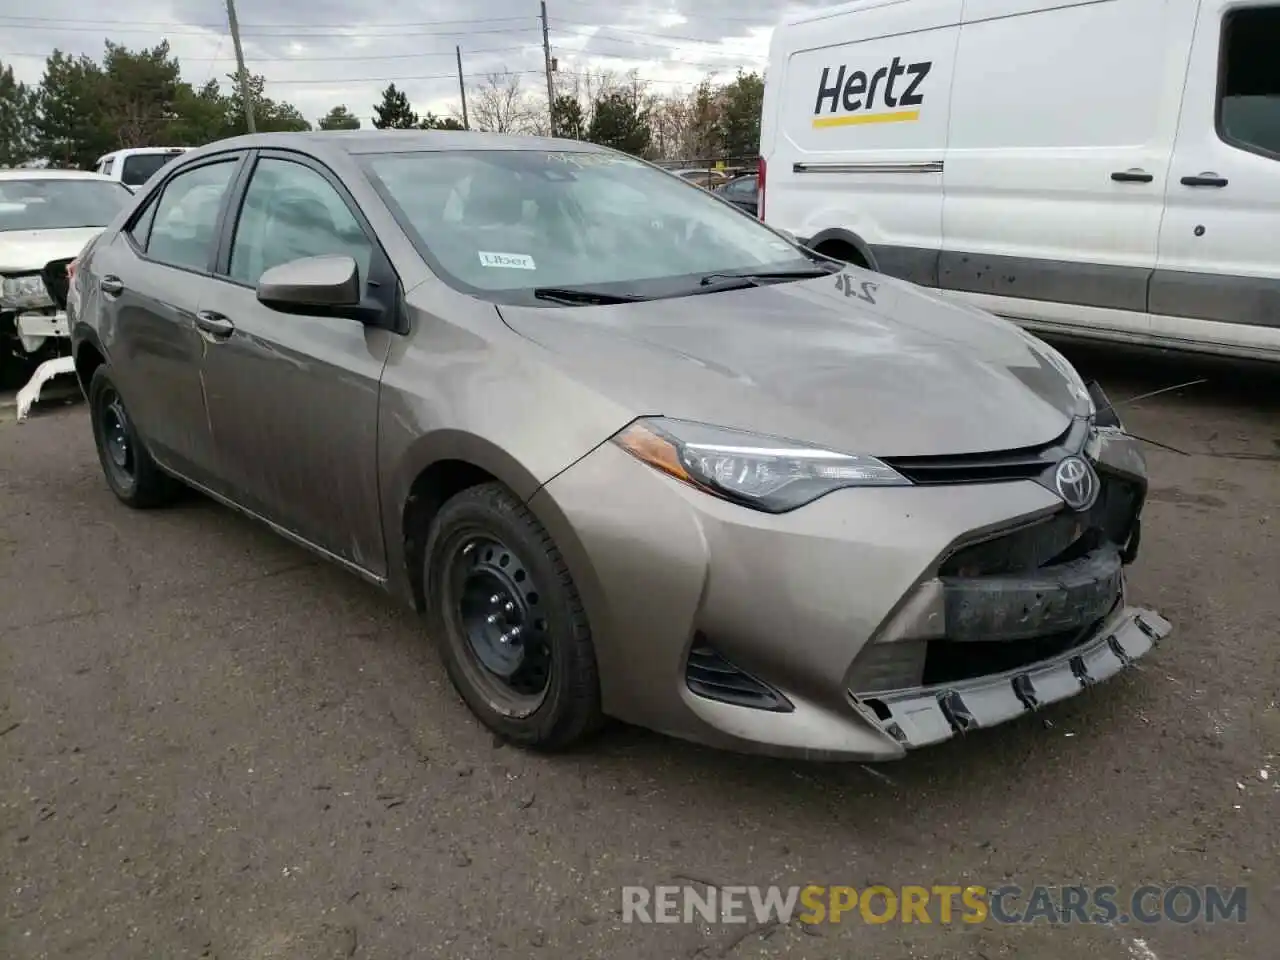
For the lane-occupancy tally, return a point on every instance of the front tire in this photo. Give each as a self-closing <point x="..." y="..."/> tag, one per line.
<point x="131" y="474"/>
<point x="510" y="625"/>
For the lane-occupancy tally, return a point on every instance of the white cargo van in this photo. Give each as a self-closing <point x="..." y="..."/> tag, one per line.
<point x="1108" y="168"/>
<point x="134" y="166"/>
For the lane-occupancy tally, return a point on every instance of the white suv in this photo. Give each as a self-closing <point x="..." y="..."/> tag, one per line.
<point x="134" y="166"/>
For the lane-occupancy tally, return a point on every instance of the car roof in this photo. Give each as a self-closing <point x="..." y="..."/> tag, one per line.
<point x="44" y="173"/>
<point x="366" y="142"/>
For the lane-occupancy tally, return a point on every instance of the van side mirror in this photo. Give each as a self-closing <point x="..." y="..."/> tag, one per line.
<point x="317" y="285"/>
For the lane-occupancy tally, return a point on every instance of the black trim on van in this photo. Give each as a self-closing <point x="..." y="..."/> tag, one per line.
<point x="1222" y="298"/>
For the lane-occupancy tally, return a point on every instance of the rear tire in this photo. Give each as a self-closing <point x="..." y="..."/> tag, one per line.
<point x="130" y="472"/>
<point x="508" y="620"/>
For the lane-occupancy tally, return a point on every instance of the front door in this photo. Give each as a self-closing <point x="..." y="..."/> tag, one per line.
<point x="1218" y="274"/>
<point x="293" y="400"/>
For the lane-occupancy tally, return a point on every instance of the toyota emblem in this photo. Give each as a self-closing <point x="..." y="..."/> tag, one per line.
<point x="1076" y="483"/>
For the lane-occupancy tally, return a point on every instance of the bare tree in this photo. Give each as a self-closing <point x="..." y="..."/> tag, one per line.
<point x="500" y="105"/>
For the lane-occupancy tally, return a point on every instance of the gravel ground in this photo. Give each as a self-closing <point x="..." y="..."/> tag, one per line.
<point x="213" y="745"/>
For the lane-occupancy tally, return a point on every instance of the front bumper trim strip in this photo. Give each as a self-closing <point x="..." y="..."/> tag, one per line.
<point x="922" y="717"/>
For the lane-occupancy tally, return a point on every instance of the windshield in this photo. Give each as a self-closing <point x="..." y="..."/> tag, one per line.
<point x="48" y="203"/>
<point x="509" y="221"/>
<point x="139" y="167"/>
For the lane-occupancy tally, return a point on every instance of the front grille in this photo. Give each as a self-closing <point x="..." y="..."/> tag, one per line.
<point x="54" y="276"/>
<point x="1022" y="463"/>
<point x="1061" y="538"/>
<point x="710" y="675"/>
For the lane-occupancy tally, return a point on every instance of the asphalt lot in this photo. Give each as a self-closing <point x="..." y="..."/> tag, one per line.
<point x="213" y="745"/>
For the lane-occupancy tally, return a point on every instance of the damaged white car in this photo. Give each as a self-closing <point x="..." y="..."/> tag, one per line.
<point x="47" y="218"/>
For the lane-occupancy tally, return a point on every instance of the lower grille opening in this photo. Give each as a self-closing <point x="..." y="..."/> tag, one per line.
<point x="710" y="675"/>
<point x="950" y="661"/>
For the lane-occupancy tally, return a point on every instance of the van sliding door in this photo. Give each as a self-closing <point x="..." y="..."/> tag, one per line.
<point x="1062" y="118"/>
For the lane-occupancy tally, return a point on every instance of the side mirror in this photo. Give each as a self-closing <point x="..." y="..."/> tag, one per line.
<point x="316" y="285"/>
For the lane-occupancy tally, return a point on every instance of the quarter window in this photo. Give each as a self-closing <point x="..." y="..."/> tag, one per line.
<point x="1249" y="99"/>
<point x="184" y="230"/>
<point x="290" y="212"/>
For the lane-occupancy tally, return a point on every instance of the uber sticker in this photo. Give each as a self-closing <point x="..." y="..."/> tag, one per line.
<point x="513" y="261"/>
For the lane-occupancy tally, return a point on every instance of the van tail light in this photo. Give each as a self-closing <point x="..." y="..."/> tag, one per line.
<point x="760" y="188"/>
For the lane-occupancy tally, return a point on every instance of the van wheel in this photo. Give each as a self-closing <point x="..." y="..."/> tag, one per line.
<point x="844" y="252"/>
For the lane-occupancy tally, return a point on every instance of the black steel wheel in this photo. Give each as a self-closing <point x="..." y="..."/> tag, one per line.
<point x="497" y="611"/>
<point x="508" y="620"/>
<point x="130" y="472"/>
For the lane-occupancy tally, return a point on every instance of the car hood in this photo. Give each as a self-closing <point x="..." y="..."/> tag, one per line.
<point x="22" y="251"/>
<point x="885" y="369"/>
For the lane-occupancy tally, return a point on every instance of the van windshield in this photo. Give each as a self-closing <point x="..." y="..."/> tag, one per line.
<point x="511" y="220"/>
<point x="51" y="203"/>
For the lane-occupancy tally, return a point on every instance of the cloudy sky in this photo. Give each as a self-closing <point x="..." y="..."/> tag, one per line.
<point x="319" y="53"/>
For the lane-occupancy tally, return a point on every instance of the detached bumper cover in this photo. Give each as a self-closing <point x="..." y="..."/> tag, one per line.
<point x="921" y="717"/>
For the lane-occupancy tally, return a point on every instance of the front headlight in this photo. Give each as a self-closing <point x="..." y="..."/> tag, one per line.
<point x="24" y="293"/>
<point x="765" y="473"/>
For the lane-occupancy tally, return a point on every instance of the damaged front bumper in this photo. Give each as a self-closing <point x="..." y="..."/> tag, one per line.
<point x="921" y="717"/>
<point x="33" y="331"/>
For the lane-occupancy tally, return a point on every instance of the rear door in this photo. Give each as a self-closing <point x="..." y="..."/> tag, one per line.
<point x="150" y="280"/>
<point x="293" y="399"/>
<point x="1218" y="276"/>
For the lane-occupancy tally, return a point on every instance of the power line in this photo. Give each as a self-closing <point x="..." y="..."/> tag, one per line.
<point x="372" y="56"/>
<point x="450" y="76"/>
<point x="291" y="34"/>
<point x="95" y="23"/>
<point x="597" y="28"/>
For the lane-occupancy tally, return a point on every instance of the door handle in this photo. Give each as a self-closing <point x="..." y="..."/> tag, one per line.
<point x="1205" y="180"/>
<point x="1132" y="176"/>
<point x="112" y="286"/>
<point x="215" y="324"/>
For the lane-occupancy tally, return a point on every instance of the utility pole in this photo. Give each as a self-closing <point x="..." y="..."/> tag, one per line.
<point x="241" y="73"/>
<point x="462" y="89"/>
<point x="546" y="56"/>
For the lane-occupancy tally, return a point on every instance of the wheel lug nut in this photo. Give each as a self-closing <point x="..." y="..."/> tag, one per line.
<point x="509" y="606"/>
<point x="492" y="618"/>
<point x="495" y="599"/>
<point x="515" y="632"/>
<point x="504" y="639"/>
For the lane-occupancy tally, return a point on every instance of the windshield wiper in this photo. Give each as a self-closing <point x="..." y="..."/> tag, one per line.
<point x="580" y="295"/>
<point x="755" y="279"/>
